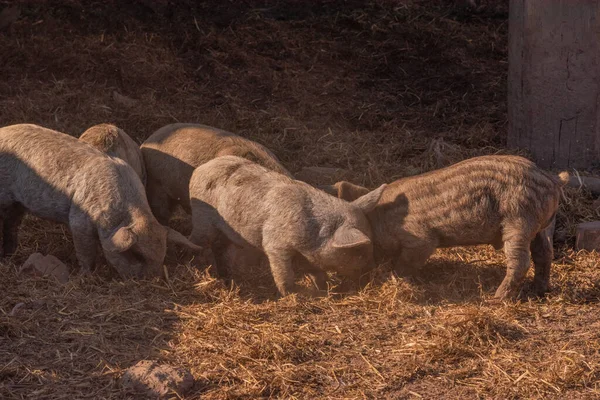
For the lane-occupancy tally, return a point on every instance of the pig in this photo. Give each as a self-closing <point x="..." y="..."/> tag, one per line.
<point x="57" y="177"/>
<point x="505" y="201"/>
<point x="116" y="143"/>
<point x="173" y="152"/>
<point x="236" y="201"/>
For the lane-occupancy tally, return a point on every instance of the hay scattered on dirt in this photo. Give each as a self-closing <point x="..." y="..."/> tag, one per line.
<point x="383" y="88"/>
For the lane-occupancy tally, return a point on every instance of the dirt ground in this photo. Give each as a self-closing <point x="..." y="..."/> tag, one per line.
<point x="383" y="88"/>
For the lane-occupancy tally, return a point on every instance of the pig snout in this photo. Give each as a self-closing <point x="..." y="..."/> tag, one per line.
<point x="351" y="264"/>
<point x="354" y="270"/>
<point x="126" y="269"/>
<point x="130" y="265"/>
<point x="152" y="271"/>
<point x="142" y="271"/>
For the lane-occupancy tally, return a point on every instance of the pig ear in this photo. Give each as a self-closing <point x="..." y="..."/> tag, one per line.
<point x="329" y="189"/>
<point x="368" y="202"/>
<point x="177" y="238"/>
<point x="122" y="239"/>
<point x="346" y="238"/>
<point x="349" y="191"/>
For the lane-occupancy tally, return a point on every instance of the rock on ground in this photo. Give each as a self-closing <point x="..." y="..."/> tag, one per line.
<point x="157" y="380"/>
<point x="39" y="265"/>
<point x="123" y="100"/>
<point x="588" y="236"/>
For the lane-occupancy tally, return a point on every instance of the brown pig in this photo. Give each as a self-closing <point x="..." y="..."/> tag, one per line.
<point x="234" y="200"/>
<point x="173" y="152"/>
<point x="116" y="143"/>
<point x="57" y="177"/>
<point x="505" y="201"/>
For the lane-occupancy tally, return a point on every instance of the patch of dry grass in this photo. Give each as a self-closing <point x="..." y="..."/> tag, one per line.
<point x="435" y="333"/>
<point x="383" y="88"/>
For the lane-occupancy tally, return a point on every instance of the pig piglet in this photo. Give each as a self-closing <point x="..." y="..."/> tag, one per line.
<point x="234" y="200"/>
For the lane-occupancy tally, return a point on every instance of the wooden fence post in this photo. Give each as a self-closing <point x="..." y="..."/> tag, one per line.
<point x="554" y="81"/>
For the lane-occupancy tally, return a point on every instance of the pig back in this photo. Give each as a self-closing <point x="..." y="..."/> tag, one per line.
<point x="241" y="192"/>
<point x="48" y="172"/>
<point x="173" y="152"/>
<point x="116" y="143"/>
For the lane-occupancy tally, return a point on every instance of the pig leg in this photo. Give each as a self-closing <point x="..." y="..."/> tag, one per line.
<point x="159" y="201"/>
<point x="282" y="271"/>
<point x="516" y="249"/>
<point x="13" y="216"/>
<point x="228" y="257"/>
<point x="240" y="258"/>
<point x="219" y="249"/>
<point x="542" y="254"/>
<point x="85" y="240"/>
<point x="205" y="233"/>
<point x="209" y="228"/>
<point x="205" y="219"/>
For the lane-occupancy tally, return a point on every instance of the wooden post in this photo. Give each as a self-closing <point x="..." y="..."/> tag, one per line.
<point x="554" y="81"/>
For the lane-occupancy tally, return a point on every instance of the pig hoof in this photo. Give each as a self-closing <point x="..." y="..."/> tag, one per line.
<point x="283" y="292"/>
<point x="494" y="301"/>
<point x="540" y="288"/>
<point x="503" y="294"/>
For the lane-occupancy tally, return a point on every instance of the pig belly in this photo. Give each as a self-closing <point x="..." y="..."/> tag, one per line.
<point x="469" y="235"/>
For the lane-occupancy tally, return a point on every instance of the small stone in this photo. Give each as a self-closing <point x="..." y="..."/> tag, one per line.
<point x="157" y="380"/>
<point x="16" y="309"/>
<point x="124" y="100"/>
<point x="30" y="305"/>
<point x="322" y="175"/>
<point x="588" y="236"/>
<point x="39" y="265"/>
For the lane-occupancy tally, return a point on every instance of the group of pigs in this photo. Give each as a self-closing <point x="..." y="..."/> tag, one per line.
<point x="247" y="207"/>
